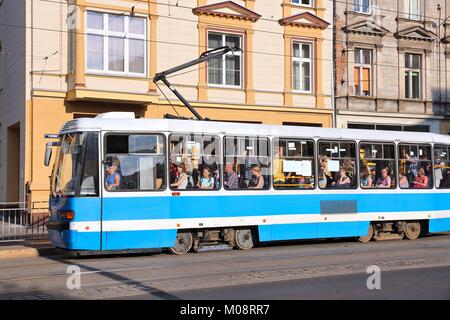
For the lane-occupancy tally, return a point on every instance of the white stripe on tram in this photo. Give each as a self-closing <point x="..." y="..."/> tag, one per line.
<point x="194" y="223"/>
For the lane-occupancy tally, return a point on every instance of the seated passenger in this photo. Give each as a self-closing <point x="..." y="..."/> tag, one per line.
<point x="366" y="178"/>
<point x="403" y="181"/>
<point x="206" y="181"/>
<point x="182" y="178"/>
<point x="231" y="177"/>
<point x="445" y="181"/>
<point x="421" y="181"/>
<point x="343" y="180"/>
<point x="384" y="181"/>
<point x="301" y="182"/>
<point x="257" y="181"/>
<point x="113" y="179"/>
<point x="323" y="179"/>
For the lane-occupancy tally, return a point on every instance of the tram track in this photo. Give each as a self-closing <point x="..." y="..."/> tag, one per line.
<point x="276" y="252"/>
<point x="123" y="276"/>
<point x="109" y="289"/>
<point x="188" y="260"/>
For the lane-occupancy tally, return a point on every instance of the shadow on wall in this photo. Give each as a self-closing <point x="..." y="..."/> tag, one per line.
<point x="90" y="109"/>
<point x="441" y="101"/>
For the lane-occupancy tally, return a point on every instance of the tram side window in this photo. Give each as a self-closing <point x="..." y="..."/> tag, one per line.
<point x="247" y="163"/>
<point x="194" y="162"/>
<point x="337" y="165"/>
<point x="415" y="166"/>
<point x="135" y="162"/>
<point x="293" y="164"/>
<point x="377" y="165"/>
<point x="442" y="166"/>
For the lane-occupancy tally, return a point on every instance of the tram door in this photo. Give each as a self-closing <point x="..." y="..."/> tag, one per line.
<point x="134" y="199"/>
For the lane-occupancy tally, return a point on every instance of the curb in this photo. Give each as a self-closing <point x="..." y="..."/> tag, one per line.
<point x="20" y="253"/>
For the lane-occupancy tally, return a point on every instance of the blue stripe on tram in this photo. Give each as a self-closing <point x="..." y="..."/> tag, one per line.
<point x="208" y="206"/>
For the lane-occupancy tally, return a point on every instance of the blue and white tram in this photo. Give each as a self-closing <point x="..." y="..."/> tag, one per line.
<point x="123" y="184"/>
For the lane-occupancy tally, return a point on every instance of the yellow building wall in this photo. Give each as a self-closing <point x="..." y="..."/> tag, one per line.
<point x="175" y="35"/>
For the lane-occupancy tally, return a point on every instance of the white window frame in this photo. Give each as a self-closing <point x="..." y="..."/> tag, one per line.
<point x="408" y="10"/>
<point x="238" y="53"/>
<point x="358" y="7"/>
<point x="409" y="71"/>
<point x="126" y="35"/>
<point x="362" y="66"/>
<point x="299" y="3"/>
<point x="300" y="61"/>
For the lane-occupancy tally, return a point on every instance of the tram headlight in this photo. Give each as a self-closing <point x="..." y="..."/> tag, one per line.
<point x="66" y="214"/>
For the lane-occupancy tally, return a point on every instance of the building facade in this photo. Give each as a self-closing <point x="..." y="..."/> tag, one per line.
<point x="60" y="60"/>
<point x="392" y="64"/>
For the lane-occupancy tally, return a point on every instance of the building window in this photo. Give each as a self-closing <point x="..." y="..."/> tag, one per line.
<point x="363" y="72"/>
<point x="116" y="44"/>
<point x="413" y="9"/>
<point x="302" y="64"/>
<point x="307" y="3"/>
<point x="225" y="71"/>
<point x="362" y="6"/>
<point x="412" y="76"/>
<point x="389" y="127"/>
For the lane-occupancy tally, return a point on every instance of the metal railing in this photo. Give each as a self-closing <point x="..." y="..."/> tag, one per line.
<point x="23" y="221"/>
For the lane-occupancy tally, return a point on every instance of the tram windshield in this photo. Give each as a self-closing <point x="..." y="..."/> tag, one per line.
<point x="76" y="166"/>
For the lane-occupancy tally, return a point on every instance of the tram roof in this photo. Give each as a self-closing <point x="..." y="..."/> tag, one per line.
<point x="128" y="124"/>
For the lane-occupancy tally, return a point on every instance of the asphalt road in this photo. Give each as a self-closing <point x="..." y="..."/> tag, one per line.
<point x="335" y="269"/>
<point x="423" y="284"/>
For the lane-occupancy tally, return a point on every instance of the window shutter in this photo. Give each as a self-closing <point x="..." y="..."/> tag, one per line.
<point x="366" y="80"/>
<point x="356" y="81"/>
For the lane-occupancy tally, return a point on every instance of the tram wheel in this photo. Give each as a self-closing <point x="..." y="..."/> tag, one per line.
<point x="412" y="230"/>
<point x="365" y="239"/>
<point x="183" y="243"/>
<point x="243" y="239"/>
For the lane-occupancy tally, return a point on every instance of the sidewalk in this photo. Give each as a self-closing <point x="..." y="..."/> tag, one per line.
<point x="25" y="249"/>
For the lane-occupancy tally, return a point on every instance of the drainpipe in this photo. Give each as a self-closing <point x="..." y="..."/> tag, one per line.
<point x="334" y="72"/>
<point x="30" y="112"/>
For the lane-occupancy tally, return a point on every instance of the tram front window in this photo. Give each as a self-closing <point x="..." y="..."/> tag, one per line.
<point x="76" y="168"/>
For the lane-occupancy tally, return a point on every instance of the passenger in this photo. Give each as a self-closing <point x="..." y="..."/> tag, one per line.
<point x="113" y="179"/>
<point x="182" y="178"/>
<point x="445" y="181"/>
<point x="403" y="181"/>
<point x="301" y="182"/>
<point x="421" y="181"/>
<point x="231" y="177"/>
<point x="173" y="171"/>
<point x="257" y="181"/>
<point x="248" y="163"/>
<point x="373" y="173"/>
<point x="206" y="181"/>
<point x="366" y="178"/>
<point x="323" y="181"/>
<point x="343" y="180"/>
<point x="428" y="170"/>
<point x="439" y="173"/>
<point x="385" y="180"/>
